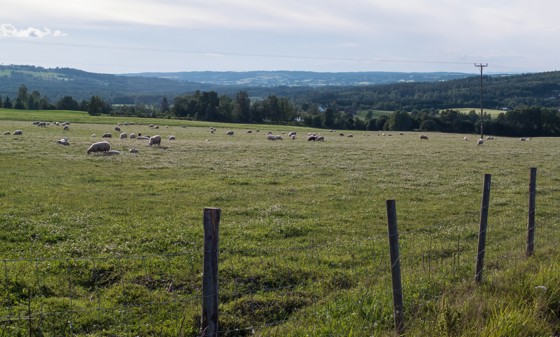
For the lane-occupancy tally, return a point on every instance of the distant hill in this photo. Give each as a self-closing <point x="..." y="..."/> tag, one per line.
<point x="351" y="90"/>
<point x="56" y="83"/>
<point x="302" y="78"/>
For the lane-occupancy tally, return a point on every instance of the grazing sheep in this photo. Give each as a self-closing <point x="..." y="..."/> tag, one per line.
<point x="249" y="131"/>
<point x="341" y="134"/>
<point x="523" y="139"/>
<point x="312" y="138"/>
<point x="133" y="150"/>
<point x="132" y="136"/>
<point x="465" y="139"/>
<point x="171" y="137"/>
<point x="229" y="133"/>
<point x="18" y="132"/>
<point x="490" y="138"/>
<point x="124" y="135"/>
<point x="273" y="137"/>
<point x="63" y="141"/>
<point x="292" y="133"/>
<point x="112" y="153"/>
<point x="350" y="135"/>
<point x="293" y="137"/>
<point x="66" y="128"/>
<point x="423" y="137"/>
<point x="7" y="133"/>
<point x="42" y="124"/>
<point x="99" y="147"/>
<point x="155" y="140"/>
<point x="480" y="141"/>
<point x="143" y="137"/>
<point x="94" y="135"/>
<point x="107" y="135"/>
<point x="321" y="138"/>
<point x="117" y="129"/>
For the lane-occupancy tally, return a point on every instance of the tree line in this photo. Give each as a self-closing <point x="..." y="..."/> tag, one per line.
<point x="527" y="121"/>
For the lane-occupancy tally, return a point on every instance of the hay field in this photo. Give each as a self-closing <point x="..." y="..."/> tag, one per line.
<point x="303" y="228"/>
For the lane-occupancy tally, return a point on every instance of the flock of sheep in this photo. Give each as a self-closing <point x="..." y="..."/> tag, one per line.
<point x="104" y="147"/>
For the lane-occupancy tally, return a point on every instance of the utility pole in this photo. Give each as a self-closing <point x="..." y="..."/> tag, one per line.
<point x="481" y="66"/>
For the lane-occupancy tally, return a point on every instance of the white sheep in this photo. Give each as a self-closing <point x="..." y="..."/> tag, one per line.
<point x="229" y="133"/>
<point x="107" y="135"/>
<point x="133" y="150"/>
<point x="99" y="147"/>
<point x="124" y="135"/>
<point x="480" y="141"/>
<point x="171" y="137"/>
<point x="63" y="141"/>
<point x="311" y="138"/>
<point x="155" y="140"/>
<point x="66" y="128"/>
<point x="143" y="137"/>
<point x="18" y="132"/>
<point x="132" y="135"/>
<point x="321" y="138"/>
<point x="423" y="137"/>
<point x="117" y="129"/>
<point x="112" y="153"/>
<point x="7" y="133"/>
<point x="273" y="137"/>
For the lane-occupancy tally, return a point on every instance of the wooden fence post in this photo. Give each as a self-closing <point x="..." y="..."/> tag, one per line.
<point x="398" y="308"/>
<point x="209" y="319"/>
<point x="531" y="221"/>
<point x="483" y="226"/>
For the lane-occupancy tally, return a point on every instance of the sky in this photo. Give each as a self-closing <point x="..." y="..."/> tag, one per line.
<point x="131" y="36"/>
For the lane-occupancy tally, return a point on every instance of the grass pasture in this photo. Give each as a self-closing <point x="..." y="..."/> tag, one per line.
<point x="97" y="245"/>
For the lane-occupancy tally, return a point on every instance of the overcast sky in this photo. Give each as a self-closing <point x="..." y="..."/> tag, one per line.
<point x="122" y="36"/>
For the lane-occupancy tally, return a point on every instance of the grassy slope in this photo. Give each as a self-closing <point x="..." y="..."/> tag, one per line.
<point x="304" y="219"/>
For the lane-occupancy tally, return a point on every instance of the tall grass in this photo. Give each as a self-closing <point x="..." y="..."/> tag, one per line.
<point x="303" y="239"/>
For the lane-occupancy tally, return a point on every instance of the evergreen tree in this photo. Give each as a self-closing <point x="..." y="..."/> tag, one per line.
<point x="165" y="105"/>
<point x="67" y="103"/>
<point x="22" y="97"/>
<point x="7" y="103"/>
<point x="242" y="107"/>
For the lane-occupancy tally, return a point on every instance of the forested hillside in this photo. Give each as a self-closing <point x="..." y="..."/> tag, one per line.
<point x="530" y="102"/>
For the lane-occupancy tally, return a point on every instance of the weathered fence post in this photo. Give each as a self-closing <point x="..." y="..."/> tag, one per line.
<point x="395" y="266"/>
<point x="209" y="319"/>
<point x="483" y="226"/>
<point x="531" y="221"/>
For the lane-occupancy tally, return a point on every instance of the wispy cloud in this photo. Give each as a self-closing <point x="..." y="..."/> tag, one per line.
<point x="9" y="30"/>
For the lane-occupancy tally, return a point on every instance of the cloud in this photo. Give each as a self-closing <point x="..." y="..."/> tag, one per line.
<point x="8" y="30"/>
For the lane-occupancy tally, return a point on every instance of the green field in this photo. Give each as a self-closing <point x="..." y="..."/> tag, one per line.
<point x="491" y="112"/>
<point x="96" y="245"/>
